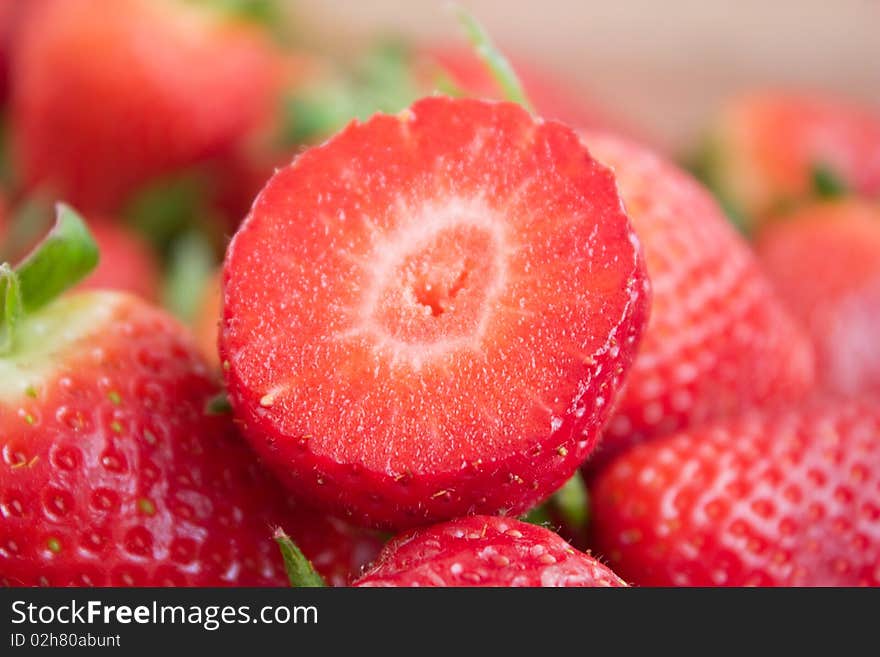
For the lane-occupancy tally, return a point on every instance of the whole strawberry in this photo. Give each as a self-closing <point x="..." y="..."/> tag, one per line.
<point x="772" y="148"/>
<point x="718" y="340"/>
<point x="430" y="314"/>
<point x="485" y="551"/>
<point x="824" y="260"/>
<point x="470" y="551"/>
<point x="109" y="95"/>
<point x="113" y="472"/>
<point x="790" y="498"/>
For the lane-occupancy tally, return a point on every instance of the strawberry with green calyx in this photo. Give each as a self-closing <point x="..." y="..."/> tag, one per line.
<point x="112" y="473"/>
<point x="39" y="278"/>
<point x="770" y="150"/>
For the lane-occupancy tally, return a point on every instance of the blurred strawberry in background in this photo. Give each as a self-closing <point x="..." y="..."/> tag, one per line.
<point x="769" y="150"/>
<point x="107" y="96"/>
<point x="825" y="262"/>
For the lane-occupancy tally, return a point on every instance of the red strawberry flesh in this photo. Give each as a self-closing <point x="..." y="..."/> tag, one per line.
<point x="431" y="313"/>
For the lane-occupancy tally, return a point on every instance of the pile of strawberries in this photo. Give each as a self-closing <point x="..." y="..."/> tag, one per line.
<point x="460" y="309"/>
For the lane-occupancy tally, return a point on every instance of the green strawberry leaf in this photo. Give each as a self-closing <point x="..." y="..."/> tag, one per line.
<point x="502" y="72"/>
<point x="300" y="571"/>
<point x="10" y="292"/>
<point x="826" y="183"/>
<point x="63" y="258"/>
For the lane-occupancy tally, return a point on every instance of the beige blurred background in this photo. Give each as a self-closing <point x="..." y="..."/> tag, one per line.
<point x="660" y="65"/>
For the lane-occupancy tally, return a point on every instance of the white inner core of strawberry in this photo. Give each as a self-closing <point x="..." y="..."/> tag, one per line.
<point x="436" y="279"/>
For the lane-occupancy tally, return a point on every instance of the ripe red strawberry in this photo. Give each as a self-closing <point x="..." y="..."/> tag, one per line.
<point x="825" y="262"/>
<point x="718" y="340"/>
<point x="485" y="551"/>
<point x="790" y="498"/>
<point x="430" y="314"/>
<point x="10" y="15"/>
<point x="106" y="96"/>
<point x="766" y="148"/>
<point x="112" y="471"/>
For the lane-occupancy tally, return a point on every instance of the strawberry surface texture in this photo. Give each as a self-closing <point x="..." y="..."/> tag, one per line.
<point x="431" y="314"/>
<point x="113" y="474"/>
<point x="719" y="339"/>
<point x="788" y="498"/>
<point x="485" y="551"/>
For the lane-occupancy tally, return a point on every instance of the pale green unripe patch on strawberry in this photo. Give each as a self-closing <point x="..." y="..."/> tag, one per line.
<point x="41" y="337"/>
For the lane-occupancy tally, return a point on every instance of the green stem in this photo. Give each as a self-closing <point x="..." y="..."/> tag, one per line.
<point x="10" y="289"/>
<point x="502" y="72"/>
<point x="300" y="571"/>
<point x="63" y="258"/>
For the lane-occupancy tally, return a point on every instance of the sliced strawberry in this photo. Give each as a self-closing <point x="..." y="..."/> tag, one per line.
<point x="766" y="148"/>
<point x="108" y="95"/>
<point x="790" y="498"/>
<point x="825" y="262"/>
<point x="430" y="314"/>
<point x="719" y="341"/>
<point x="485" y="551"/>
